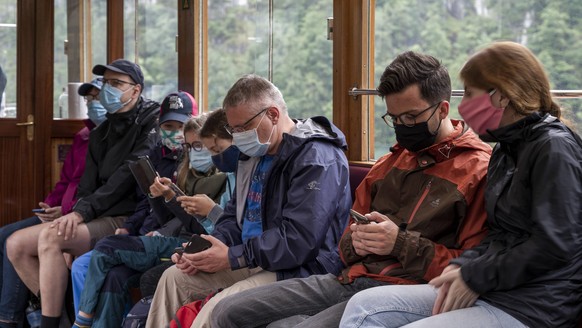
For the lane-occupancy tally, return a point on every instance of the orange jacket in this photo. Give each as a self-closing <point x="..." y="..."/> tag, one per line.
<point x="434" y="196"/>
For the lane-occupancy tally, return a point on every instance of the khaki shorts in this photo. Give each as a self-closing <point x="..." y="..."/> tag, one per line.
<point x="103" y="227"/>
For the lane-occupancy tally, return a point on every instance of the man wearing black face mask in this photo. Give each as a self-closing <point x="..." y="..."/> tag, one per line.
<point x="424" y="201"/>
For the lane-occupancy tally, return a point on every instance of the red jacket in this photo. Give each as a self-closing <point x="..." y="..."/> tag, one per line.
<point x="434" y="196"/>
<point x="64" y="192"/>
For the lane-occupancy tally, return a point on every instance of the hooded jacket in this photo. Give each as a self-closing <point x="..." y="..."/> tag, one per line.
<point x="306" y="201"/>
<point x="65" y="189"/>
<point x="435" y="196"/>
<point x="107" y="187"/>
<point x="530" y="264"/>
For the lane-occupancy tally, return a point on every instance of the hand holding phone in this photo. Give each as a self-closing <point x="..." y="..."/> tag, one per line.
<point x="197" y="244"/>
<point x="179" y="250"/>
<point x="359" y="218"/>
<point x="38" y="210"/>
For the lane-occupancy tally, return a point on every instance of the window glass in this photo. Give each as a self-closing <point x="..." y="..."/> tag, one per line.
<point x="77" y="48"/>
<point x="8" y="59"/>
<point x="301" y="54"/>
<point x="453" y="30"/>
<point x="232" y="54"/>
<point x="61" y="72"/>
<point x="302" y="59"/>
<point x="151" y="42"/>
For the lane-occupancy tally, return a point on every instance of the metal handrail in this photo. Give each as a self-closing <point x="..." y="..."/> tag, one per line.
<point x="355" y="92"/>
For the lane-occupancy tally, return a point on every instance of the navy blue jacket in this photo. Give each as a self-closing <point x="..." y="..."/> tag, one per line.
<point x="305" y="205"/>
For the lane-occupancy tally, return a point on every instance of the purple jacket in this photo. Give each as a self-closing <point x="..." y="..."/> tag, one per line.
<point x="65" y="190"/>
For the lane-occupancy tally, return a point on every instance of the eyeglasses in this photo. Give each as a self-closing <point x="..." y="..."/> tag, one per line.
<point x="90" y="98"/>
<point x="242" y="127"/>
<point x="115" y="82"/>
<point x="407" y="119"/>
<point x="196" y="145"/>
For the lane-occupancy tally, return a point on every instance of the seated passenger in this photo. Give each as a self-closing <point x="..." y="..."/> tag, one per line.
<point x="105" y="195"/>
<point x="424" y="199"/>
<point x="104" y="299"/>
<point x="176" y="109"/>
<point x="14" y="295"/>
<point x="528" y="270"/>
<point x="291" y="205"/>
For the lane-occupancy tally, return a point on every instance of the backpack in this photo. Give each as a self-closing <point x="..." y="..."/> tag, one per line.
<point x="186" y="314"/>
<point x="137" y="316"/>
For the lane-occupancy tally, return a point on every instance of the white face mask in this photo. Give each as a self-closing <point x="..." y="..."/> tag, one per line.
<point x="249" y="144"/>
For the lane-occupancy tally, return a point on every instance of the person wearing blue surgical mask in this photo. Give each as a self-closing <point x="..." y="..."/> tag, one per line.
<point x="217" y="145"/>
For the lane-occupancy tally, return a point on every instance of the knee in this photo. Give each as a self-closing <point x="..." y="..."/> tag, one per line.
<point x="16" y="245"/>
<point x="48" y="240"/>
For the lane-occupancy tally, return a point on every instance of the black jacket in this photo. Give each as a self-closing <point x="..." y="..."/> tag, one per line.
<point x="530" y="264"/>
<point x="107" y="187"/>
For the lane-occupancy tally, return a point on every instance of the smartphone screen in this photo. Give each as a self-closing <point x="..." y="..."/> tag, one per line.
<point x="359" y="218"/>
<point x="197" y="244"/>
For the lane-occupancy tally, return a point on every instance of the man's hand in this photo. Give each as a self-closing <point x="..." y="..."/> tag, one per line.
<point x="377" y="237"/>
<point x="183" y="264"/>
<point x="198" y="204"/>
<point x="455" y="293"/>
<point x="50" y="213"/>
<point x="67" y="225"/>
<point x="213" y="259"/>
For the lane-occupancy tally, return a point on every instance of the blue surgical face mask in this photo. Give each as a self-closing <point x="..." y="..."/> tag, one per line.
<point x="172" y="139"/>
<point x="96" y="112"/>
<point x="200" y="161"/>
<point x="111" y="98"/>
<point x="227" y="160"/>
<point x="248" y="142"/>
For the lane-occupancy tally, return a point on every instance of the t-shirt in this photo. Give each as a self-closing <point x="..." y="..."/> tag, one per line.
<point x="252" y="220"/>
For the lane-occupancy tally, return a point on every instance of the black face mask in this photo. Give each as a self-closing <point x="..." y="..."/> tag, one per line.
<point x="417" y="137"/>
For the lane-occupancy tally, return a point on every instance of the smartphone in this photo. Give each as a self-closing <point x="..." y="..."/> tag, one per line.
<point x="38" y="210"/>
<point x="179" y="250"/>
<point x="359" y="218"/>
<point x="177" y="190"/>
<point x="197" y="244"/>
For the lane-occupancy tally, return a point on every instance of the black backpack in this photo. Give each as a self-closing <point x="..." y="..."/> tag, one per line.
<point x="137" y="316"/>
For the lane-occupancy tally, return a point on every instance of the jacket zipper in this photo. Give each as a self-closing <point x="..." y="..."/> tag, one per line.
<point x="422" y="197"/>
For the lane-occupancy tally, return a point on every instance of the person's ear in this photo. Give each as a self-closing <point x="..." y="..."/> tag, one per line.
<point x="503" y="101"/>
<point x="136" y="91"/>
<point x="444" y="109"/>
<point x="273" y="115"/>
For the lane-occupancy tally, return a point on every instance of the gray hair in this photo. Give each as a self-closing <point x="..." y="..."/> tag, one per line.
<point x="255" y="91"/>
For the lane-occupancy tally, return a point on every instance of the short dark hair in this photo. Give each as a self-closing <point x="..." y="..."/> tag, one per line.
<point x="411" y="68"/>
<point x="214" y="125"/>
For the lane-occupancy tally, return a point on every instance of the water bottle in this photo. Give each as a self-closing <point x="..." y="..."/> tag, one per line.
<point x="33" y="314"/>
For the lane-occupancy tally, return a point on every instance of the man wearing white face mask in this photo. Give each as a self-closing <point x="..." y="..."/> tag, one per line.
<point x="106" y="194"/>
<point x="290" y="207"/>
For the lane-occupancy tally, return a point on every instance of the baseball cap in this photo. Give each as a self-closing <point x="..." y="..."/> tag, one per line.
<point x="178" y="106"/>
<point x="86" y="87"/>
<point x="122" y="66"/>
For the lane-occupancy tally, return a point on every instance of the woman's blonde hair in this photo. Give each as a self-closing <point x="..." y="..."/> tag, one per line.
<point x="515" y="71"/>
<point x="192" y="125"/>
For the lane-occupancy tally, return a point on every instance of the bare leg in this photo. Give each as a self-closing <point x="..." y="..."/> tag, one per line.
<point x="22" y="250"/>
<point x="53" y="273"/>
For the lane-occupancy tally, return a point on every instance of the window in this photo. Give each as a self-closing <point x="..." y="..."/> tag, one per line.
<point x="452" y="30"/>
<point x="283" y="40"/>
<point x="8" y="59"/>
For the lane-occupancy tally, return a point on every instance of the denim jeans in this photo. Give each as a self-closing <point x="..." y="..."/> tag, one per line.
<point x="411" y="307"/>
<point x="315" y="301"/>
<point x="14" y="294"/>
<point x="78" y="275"/>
